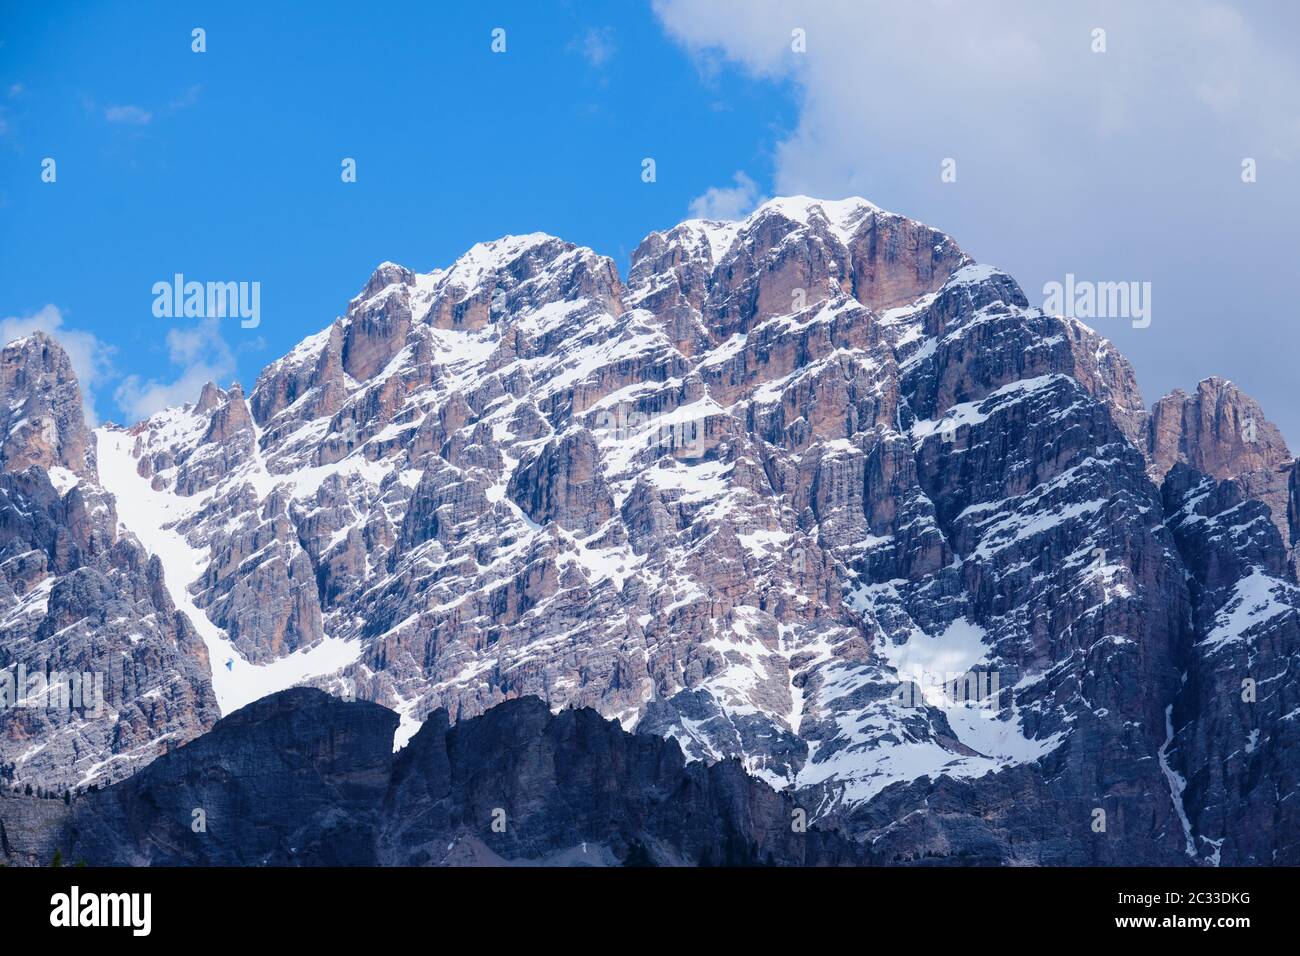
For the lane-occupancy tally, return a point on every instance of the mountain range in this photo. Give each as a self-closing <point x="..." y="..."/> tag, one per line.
<point x="809" y="502"/>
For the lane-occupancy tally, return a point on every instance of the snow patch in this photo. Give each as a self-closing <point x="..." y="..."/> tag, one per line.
<point x="150" y="515"/>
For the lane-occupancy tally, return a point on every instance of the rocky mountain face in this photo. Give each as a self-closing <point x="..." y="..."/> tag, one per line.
<point x="1237" y="713"/>
<point x="301" y="778"/>
<point x="99" y="673"/>
<point x="1222" y="432"/>
<point x="812" y="490"/>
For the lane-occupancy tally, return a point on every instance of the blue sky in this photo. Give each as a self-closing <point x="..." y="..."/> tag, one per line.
<point x="1120" y="166"/>
<point x="226" y="165"/>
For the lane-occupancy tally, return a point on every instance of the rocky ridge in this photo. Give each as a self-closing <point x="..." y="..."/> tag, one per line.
<point x="301" y="778"/>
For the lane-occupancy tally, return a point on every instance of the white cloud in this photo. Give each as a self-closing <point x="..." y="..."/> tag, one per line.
<point x="188" y="98"/>
<point x="1015" y="83"/>
<point x="596" y="45"/>
<point x="130" y="115"/>
<point x="1123" y="165"/>
<point x="91" y="358"/>
<point x="727" y="202"/>
<point x="202" y="355"/>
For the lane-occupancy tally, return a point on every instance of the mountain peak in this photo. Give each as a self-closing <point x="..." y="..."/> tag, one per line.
<point x="1219" y="430"/>
<point x="843" y="213"/>
<point x="42" y="419"/>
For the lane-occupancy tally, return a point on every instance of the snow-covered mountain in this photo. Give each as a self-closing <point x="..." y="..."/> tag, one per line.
<point x="767" y="496"/>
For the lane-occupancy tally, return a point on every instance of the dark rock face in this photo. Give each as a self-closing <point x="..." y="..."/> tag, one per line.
<point x="1233" y="725"/>
<point x="561" y="780"/>
<point x="772" y="497"/>
<point x="301" y="778"/>
<point x="295" y="776"/>
<point x="564" y="484"/>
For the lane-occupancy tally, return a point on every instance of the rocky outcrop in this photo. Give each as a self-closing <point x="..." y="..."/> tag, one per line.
<point x="564" y="484"/>
<point x="1221" y="431"/>
<point x="99" y="672"/>
<point x="303" y="779"/>
<point x="1232" y="728"/>
<point x="1100" y="368"/>
<point x="42" y="423"/>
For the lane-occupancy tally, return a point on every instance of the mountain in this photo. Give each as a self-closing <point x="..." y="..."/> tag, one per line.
<point x="780" y="495"/>
<point x="301" y="778"/>
<point x="80" y="597"/>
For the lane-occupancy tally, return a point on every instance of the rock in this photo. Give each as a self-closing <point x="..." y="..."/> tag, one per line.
<point x="302" y="779"/>
<point x="121" y="674"/>
<point x="564" y="484"/>
<point x="1222" y="432"/>
<point x="42" y="421"/>
<point x="778" y="496"/>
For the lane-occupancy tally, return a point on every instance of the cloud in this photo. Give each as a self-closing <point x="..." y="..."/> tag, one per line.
<point x="1017" y="81"/>
<point x="183" y="102"/>
<point x="721" y="202"/>
<point x="201" y="354"/>
<point x="1121" y="165"/>
<point x="596" y="45"/>
<point x="131" y="115"/>
<point x="91" y="358"/>
<point x="128" y="115"/>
